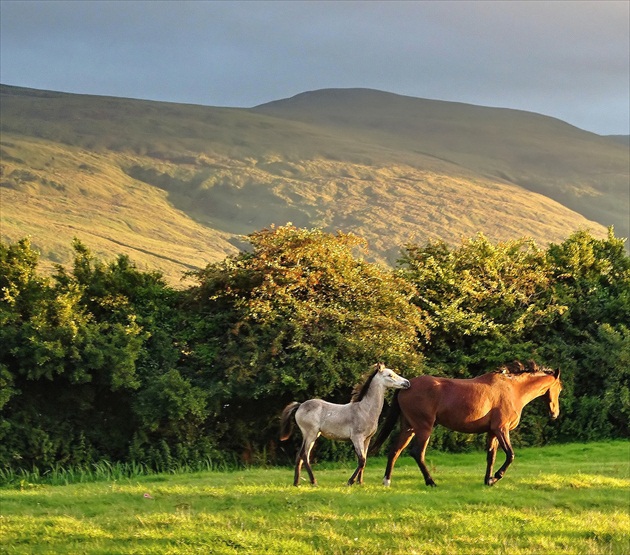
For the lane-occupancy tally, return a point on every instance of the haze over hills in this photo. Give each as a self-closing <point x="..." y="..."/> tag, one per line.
<point x="174" y="186"/>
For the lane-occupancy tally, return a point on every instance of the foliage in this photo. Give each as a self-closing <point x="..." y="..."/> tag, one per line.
<point x="62" y="367"/>
<point x="300" y="316"/>
<point x="567" y="307"/>
<point x="88" y="364"/>
<point x="592" y="339"/>
<point x="105" y="362"/>
<point x="483" y="301"/>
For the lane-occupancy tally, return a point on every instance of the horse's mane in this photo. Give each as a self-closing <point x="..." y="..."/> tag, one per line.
<point x="360" y="390"/>
<point x="517" y="367"/>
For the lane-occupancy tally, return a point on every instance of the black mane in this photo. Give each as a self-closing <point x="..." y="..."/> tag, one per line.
<point x="361" y="390"/>
<point x="517" y="367"/>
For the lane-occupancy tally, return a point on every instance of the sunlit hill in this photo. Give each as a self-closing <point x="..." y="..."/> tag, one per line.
<point x="176" y="186"/>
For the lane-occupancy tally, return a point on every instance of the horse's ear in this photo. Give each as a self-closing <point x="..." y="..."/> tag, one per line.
<point x="380" y="366"/>
<point x="556" y="373"/>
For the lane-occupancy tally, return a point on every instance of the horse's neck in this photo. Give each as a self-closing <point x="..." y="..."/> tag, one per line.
<point x="374" y="398"/>
<point x="534" y="386"/>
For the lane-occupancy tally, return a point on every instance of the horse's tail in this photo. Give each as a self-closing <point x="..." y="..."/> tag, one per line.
<point x="388" y="425"/>
<point x="286" y="420"/>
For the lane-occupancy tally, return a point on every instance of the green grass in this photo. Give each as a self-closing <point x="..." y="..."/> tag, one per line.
<point x="567" y="499"/>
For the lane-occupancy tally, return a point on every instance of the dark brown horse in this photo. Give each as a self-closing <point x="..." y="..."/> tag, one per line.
<point x="490" y="404"/>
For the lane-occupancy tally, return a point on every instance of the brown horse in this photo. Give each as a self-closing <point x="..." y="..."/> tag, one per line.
<point x="490" y="404"/>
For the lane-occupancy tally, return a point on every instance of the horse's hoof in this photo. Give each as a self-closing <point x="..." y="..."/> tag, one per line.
<point x="387" y="482"/>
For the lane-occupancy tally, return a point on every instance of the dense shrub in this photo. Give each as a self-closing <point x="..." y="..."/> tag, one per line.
<point x="567" y="307"/>
<point x="106" y="362"/>
<point x="298" y="317"/>
<point x="87" y="362"/>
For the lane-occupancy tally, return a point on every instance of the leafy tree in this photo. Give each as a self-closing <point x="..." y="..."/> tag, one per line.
<point x="167" y="411"/>
<point x="106" y="361"/>
<point x="299" y="316"/>
<point x="89" y="366"/>
<point x="484" y="301"/>
<point x="58" y="361"/>
<point x="592" y="278"/>
<point x="567" y="307"/>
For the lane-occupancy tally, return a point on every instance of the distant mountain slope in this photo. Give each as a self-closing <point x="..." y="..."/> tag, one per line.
<point x="623" y="139"/>
<point x="174" y="186"/>
<point x="581" y="170"/>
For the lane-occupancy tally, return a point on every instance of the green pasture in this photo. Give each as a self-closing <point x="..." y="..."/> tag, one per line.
<point x="569" y="499"/>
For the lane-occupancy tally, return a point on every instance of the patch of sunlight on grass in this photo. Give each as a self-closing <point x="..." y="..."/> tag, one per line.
<point x="51" y="528"/>
<point x="555" y="482"/>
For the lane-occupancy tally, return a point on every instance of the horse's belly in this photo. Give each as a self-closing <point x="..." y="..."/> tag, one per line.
<point x="335" y="434"/>
<point x="469" y="420"/>
<point x="335" y="426"/>
<point x="472" y="427"/>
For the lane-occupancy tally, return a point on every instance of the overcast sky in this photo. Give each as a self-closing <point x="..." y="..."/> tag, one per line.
<point x="565" y="59"/>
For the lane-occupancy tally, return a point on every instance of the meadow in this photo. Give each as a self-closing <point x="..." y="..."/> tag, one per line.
<point x="570" y="499"/>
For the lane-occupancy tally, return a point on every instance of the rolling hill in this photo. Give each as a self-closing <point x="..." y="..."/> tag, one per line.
<point x="176" y="186"/>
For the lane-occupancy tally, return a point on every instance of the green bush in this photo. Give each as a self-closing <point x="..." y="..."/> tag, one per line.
<point x="104" y="362"/>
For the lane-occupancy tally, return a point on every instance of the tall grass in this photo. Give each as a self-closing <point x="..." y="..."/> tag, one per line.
<point x="59" y="475"/>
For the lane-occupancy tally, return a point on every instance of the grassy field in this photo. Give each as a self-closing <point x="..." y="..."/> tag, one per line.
<point x="571" y="499"/>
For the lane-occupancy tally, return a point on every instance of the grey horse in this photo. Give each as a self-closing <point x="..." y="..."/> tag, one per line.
<point x="356" y="420"/>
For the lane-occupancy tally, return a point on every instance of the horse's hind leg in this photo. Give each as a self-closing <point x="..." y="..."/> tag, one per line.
<point x="491" y="447"/>
<point x="405" y="436"/>
<point x="298" y="465"/>
<point x="308" y="447"/>
<point x="304" y="457"/>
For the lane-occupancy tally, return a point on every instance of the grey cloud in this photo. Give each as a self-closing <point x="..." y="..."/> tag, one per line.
<point x="564" y="59"/>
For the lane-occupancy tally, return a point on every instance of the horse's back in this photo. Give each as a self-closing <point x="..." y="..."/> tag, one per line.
<point x="310" y="410"/>
<point x="460" y="404"/>
<point x="329" y="419"/>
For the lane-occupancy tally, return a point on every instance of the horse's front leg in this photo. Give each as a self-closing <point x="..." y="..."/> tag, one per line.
<point x="418" y="452"/>
<point x="366" y="446"/>
<point x="491" y="448"/>
<point x="503" y="437"/>
<point x="361" y="450"/>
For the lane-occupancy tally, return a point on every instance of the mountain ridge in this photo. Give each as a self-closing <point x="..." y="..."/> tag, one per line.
<point x="175" y="186"/>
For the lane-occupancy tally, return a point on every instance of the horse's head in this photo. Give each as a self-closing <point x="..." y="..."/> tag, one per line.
<point x="553" y="395"/>
<point x="389" y="378"/>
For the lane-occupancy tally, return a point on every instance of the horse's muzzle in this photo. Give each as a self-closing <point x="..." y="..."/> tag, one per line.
<point x="406" y="384"/>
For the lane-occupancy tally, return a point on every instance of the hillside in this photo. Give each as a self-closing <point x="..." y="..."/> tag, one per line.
<point x="175" y="186"/>
<point x="624" y="139"/>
